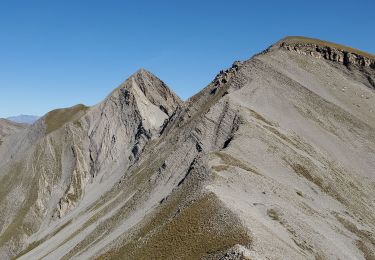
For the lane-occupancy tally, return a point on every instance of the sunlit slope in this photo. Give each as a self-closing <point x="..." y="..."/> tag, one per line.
<point x="272" y="160"/>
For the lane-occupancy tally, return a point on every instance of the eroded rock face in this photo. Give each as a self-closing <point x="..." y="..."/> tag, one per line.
<point x="76" y="148"/>
<point x="273" y="160"/>
<point x="225" y="75"/>
<point x="329" y="53"/>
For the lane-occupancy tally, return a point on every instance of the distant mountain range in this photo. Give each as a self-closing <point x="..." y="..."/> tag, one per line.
<point x="25" y="119"/>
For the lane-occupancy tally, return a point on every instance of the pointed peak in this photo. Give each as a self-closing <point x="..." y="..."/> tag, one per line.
<point x="143" y="73"/>
<point x="152" y="88"/>
<point x="140" y="75"/>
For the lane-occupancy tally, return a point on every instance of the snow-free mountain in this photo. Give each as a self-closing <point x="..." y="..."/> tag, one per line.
<point x="24" y="119"/>
<point x="274" y="159"/>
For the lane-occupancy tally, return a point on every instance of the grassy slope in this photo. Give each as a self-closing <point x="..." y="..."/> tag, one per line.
<point x="203" y="228"/>
<point x="59" y="117"/>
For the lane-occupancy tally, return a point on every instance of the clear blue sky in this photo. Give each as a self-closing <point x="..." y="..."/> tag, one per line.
<point x="59" y="53"/>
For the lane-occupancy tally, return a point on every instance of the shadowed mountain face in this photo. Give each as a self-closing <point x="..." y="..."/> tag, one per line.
<point x="273" y="160"/>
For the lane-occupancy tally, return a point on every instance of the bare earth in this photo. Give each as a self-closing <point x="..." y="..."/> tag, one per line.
<point x="275" y="159"/>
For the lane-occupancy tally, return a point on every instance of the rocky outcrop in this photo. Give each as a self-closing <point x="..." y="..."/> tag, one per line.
<point x="118" y="130"/>
<point x="329" y="53"/>
<point x="225" y="75"/>
<point x="271" y="160"/>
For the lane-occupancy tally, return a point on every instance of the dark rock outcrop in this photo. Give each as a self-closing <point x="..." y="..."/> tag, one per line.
<point x="329" y="53"/>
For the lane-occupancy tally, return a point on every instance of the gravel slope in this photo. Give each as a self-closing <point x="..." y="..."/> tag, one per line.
<point x="273" y="160"/>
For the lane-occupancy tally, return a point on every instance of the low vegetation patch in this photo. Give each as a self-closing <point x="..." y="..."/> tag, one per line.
<point x="366" y="241"/>
<point x="59" y="117"/>
<point x="272" y="213"/>
<point x="260" y="117"/>
<point x="38" y="242"/>
<point x="231" y="161"/>
<point x="204" y="227"/>
<point x="220" y="167"/>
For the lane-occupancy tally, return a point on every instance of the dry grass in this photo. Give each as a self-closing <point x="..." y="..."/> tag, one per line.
<point x="220" y="167"/>
<point x="272" y="213"/>
<point x="38" y="242"/>
<point x="318" y="181"/>
<point x="260" y="117"/>
<point x="302" y="40"/>
<point x="303" y="171"/>
<point x="367" y="252"/>
<point x="136" y="179"/>
<point x="8" y="182"/>
<point x="202" y="228"/>
<point x="59" y="117"/>
<point x="280" y="135"/>
<point x="275" y="215"/>
<point x="231" y="161"/>
<point x="338" y="185"/>
<point x="366" y="243"/>
<point x="22" y="222"/>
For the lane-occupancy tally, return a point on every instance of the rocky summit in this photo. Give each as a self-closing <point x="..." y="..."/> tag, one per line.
<point x="274" y="159"/>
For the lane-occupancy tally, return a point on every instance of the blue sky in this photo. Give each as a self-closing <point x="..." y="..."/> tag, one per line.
<point x="59" y="53"/>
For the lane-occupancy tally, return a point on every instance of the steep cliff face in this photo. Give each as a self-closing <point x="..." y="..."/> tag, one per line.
<point x="273" y="159"/>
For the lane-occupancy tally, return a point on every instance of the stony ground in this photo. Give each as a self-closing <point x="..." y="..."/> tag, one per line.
<point x="273" y="160"/>
<point x="8" y="128"/>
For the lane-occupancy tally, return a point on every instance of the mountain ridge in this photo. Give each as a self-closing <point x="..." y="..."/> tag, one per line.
<point x="273" y="159"/>
<point x="307" y="40"/>
<point x="28" y="119"/>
